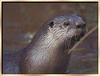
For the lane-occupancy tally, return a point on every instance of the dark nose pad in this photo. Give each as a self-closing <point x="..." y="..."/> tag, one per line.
<point x="82" y="33"/>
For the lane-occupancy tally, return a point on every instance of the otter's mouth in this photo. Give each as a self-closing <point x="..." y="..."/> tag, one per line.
<point x="71" y="42"/>
<point x="78" y="37"/>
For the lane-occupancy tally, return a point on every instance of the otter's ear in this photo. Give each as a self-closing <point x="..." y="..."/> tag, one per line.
<point x="51" y="24"/>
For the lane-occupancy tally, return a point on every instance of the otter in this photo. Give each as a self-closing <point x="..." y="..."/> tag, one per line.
<point x="46" y="53"/>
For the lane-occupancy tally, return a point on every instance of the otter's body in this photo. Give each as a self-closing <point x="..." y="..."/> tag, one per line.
<point x="46" y="53"/>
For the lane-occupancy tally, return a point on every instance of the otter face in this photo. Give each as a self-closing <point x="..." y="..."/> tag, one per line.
<point x="67" y="27"/>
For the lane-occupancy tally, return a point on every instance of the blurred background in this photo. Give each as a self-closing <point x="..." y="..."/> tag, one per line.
<point x="22" y="20"/>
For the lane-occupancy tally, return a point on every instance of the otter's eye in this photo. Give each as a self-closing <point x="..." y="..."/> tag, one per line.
<point x="66" y="24"/>
<point x="78" y="26"/>
<point x="51" y="24"/>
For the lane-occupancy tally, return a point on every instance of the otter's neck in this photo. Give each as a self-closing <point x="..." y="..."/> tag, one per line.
<point x="48" y="41"/>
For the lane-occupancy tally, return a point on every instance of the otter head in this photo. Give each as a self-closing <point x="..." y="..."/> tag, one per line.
<point x="67" y="28"/>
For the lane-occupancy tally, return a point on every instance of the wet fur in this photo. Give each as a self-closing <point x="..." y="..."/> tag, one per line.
<point x="46" y="53"/>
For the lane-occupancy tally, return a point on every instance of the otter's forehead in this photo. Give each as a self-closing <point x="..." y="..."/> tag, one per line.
<point x="60" y="19"/>
<point x="74" y="19"/>
<point x="77" y="20"/>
